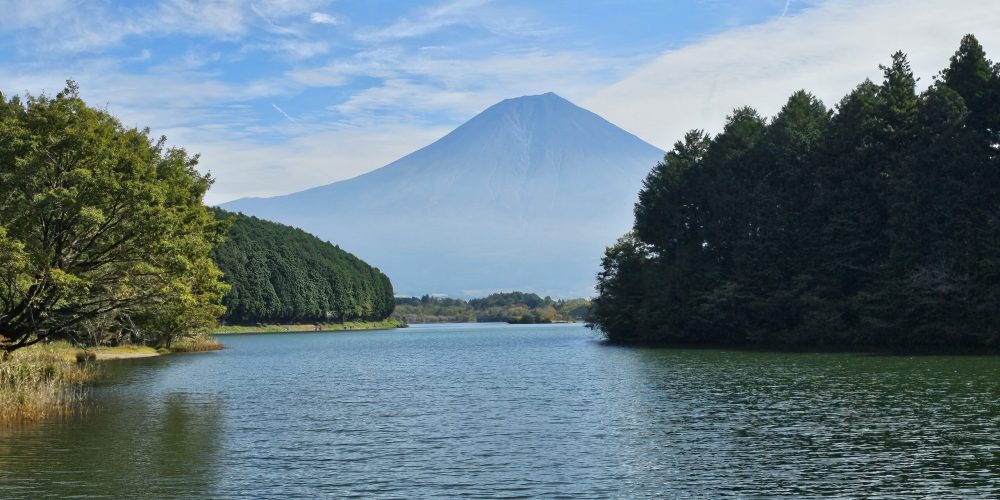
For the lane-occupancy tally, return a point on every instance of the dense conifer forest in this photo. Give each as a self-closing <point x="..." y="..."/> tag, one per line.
<point x="281" y="274"/>
<point x="872" y="224"/>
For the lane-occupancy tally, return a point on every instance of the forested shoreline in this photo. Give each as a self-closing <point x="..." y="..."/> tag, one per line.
<point x="875" y="224"/>
<point x="105" y="240"/>
<point x="503" y="307"/>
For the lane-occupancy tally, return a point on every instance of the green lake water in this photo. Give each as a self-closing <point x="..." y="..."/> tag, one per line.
<point x="515" y="411"/>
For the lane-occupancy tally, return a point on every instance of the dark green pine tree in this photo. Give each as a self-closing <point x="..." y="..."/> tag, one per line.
<point x="850" y="200"/>
<point x="973" y="77"/>
<point x="876" y="224"/>
<point x="669" y="227"/>
<point x="780" y="262"/>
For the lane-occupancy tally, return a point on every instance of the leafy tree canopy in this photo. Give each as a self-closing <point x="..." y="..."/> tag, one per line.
<point x="103" y="233"/>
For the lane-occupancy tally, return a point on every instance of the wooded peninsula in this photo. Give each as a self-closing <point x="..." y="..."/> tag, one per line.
<point x="875" y="224"/>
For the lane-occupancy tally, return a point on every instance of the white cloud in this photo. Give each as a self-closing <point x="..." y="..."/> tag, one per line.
<point x="323" y="18"/>
<point x="784" y="11"/>
<point x="162" y="99"/>
<point x="446" y="82"/>
<point x="289" y="8"/>
<point x="61" y="26"/>
<point x="73" y="27"/>
<point x="211" y="17"/>
<point x="32" y="13"/>
<point x="376" y="63"/>
<point x="271" y="25"/>
<point x="502" y="20"/>
<point x="429" y="20"/>
<point x="827" y="49"/>
<point x="249" y="168"/>
<point x="292" y="48"/>
<point x="279" y="110"/>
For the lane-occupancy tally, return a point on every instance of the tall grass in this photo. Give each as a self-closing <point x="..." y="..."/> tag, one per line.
<point x="43" y="381"/>
<point x="198" y="343"/>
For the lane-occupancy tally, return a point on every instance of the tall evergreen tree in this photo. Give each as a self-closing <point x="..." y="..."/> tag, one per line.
<point x="874" y="224"/>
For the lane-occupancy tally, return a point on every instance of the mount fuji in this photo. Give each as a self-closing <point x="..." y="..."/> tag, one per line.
<point x="524" y="196"/>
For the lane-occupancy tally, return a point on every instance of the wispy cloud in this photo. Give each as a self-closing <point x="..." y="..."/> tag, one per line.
<point x="430" y="20"/>
<point x="323" y="18"/>
<point x="294" y="49"/>
<point x="275" y="106"/>
<point x="826" y="49"/>
<point x="271" y="25"/>
<point x="75" y="27"/>
<point x="500" y="20"/>
<point x="445" y="82"/>
<point x="246" y="167"/>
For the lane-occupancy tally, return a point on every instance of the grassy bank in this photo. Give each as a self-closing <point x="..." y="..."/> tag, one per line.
<point x="44" y="380"/>
<point x="388" y="324"/>
<point x="51" y="380"/>
<point x="200" y="343"/>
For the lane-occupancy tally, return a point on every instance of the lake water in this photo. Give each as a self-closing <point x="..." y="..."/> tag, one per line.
<point x="513" y="411"/>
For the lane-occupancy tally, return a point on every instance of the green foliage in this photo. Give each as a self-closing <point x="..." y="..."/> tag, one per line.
<point x="428" y="309"/>
<point x="103" y="234"/>
<point x="875" y="224"/>
<point x="512" y="307"/>
<point x="281" y="274"/>
<point x="386" y="324"/>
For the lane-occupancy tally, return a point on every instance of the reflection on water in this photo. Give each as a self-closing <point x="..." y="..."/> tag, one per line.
<point x="128" y="445"/>
<point x="489" y="410"/>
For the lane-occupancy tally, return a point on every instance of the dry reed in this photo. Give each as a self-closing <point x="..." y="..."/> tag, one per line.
<point x="44" y="380"/>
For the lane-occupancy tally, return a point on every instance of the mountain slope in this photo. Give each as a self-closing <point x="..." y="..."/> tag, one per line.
<point x="523" y="196"/>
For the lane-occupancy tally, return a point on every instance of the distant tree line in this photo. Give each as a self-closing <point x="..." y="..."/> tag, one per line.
<point x="511" y="307"/>
<point x="280" y="274"/>
<point x="875" y="223"/>
<point x="431" y="309"/>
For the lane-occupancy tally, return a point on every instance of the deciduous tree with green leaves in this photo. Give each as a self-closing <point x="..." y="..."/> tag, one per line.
<point x="103" y="232"/>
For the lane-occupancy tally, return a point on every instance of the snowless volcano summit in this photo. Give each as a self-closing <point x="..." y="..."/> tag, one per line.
<point x="524" y="196"/>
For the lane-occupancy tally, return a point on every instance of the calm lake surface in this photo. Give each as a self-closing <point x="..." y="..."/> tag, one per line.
<point x="513" y="411"/>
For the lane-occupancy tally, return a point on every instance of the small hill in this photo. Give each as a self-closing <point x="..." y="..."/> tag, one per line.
<point x="282" y="274"/>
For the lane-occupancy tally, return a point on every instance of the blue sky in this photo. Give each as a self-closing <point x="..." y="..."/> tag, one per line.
<point x="281" y="95"/>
